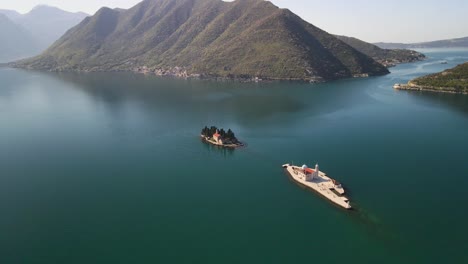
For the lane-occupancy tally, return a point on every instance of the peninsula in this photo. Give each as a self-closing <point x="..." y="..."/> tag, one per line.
<point x="386" y="57"/>
<point x="453" y="81"/>
<point x="221" y="138"/>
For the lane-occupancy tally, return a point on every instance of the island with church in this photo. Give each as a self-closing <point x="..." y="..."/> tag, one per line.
<point x="220" y="137"/>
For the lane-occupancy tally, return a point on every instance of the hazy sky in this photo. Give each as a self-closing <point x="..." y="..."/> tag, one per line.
<point x="373" y="21"/>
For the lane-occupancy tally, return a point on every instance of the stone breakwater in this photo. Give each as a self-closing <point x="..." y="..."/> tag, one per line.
<point x="411" y="86"/>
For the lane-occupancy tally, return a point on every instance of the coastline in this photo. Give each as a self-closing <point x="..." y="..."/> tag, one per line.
<point x="183" y="73"/>
<point x="212" y="142"/>
<point x="411" y="86"/>
<point x="394" y="62"/>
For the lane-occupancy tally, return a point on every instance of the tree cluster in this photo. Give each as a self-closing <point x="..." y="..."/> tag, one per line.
<point x="229" y="135"/>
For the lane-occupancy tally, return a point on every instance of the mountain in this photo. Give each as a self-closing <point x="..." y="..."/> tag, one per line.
<point x="387" y="57"/>
<point x="239" y="39"/>
<point x="47" y="24"/>
<point x="43" y="25"/>
<point x="448" y="43"/>
<point x="11" y="14"/>
<point x="16" y="41"/>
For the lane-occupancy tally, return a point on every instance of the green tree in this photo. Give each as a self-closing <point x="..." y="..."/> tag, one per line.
<point x="213" y="130"/>
<point x="230" y="134"/>
<point x="205" y="131"/>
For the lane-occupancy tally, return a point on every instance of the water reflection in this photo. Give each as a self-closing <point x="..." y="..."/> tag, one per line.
<point x="210" y="101"/>
<point x="174" y="96"/>
<point x="455" y="101"/>
<point x="225" y="152"/>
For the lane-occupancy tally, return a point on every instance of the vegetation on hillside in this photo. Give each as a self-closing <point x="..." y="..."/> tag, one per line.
<point x="455" y="79"/>
<point x="212" y="38"/>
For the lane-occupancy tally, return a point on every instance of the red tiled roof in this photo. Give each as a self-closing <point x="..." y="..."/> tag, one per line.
<point x="216" y="135"/>
<point x="309" y="170"/>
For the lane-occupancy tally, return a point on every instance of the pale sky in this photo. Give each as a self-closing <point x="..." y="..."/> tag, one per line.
<point x="372" y="21"/>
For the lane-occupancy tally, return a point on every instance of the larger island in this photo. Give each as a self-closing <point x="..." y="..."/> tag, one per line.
<point x="453" y="81"/>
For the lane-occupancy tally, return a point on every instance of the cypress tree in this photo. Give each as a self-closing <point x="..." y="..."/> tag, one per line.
<point x="230" y="134"/>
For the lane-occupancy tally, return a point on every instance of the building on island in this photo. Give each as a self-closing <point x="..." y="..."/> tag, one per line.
<point x="218" y="138"/>
<point x="309" y="173"/>
<point x="318" y="181"/>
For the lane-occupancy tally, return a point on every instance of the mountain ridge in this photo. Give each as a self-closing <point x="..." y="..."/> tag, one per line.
<point x="16" y="42"/>
<point x="11" y="14"/>
<point x="43" y="25"/>
<point x="211" y="38"/>
<point x="445" y="43"/>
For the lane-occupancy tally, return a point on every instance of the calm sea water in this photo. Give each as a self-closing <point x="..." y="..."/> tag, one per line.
<point x="108" y="168"/>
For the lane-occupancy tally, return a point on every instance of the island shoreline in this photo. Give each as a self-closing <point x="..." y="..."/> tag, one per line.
<point x="420" y="88"/>
<point x="231" y="146"/>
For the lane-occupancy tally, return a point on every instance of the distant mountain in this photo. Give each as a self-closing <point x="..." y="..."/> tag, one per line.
<point x="387" y="57"/>
<point x="44" y="25"/>
<point x="453" y="80"/>
<point x="11" y="14"/>
<point x="448" y="43"/>
<point x="239" y="39"/>
<point x="47" y="24"/>
<point x="16" y="41"/>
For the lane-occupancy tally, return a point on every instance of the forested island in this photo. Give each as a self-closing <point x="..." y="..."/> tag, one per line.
<point x="453" y="80"/>
<point x="220" y="137"/>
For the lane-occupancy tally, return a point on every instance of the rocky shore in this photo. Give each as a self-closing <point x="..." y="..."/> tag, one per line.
<point x="411" y="86"/>
<point x="228" y="145"/>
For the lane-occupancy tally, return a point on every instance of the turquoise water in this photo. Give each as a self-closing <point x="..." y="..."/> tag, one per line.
<point x="108" y="168"/>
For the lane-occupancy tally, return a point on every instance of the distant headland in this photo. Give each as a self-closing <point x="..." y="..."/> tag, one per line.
<point x="453" y="81"/>
<point x="445" y="43"/>
<point x="386" y="57"/>
<point x="220" y="137"/>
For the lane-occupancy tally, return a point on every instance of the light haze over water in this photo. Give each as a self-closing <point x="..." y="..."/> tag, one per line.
<point x="372" y="21"/>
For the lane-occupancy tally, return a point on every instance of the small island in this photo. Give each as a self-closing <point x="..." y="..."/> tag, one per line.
<point x="219" y="137"/>
<point x="453" y="81"/>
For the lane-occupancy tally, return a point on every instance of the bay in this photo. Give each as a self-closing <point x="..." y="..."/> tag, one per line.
<point x="109" y="168"/>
